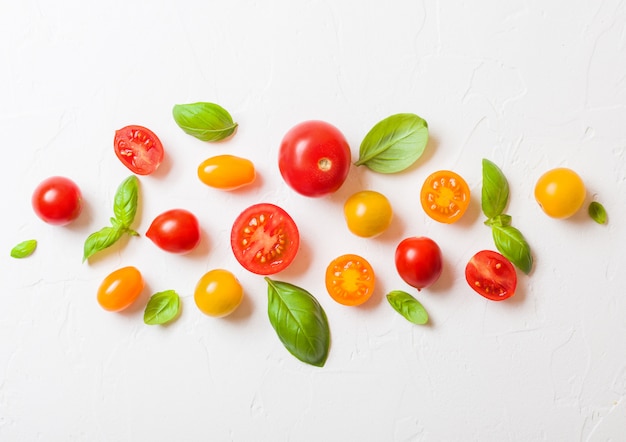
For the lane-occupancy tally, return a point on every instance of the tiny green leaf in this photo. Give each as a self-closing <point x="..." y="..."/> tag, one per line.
<point x="100" y="240"/>
<point x="495" y="191"/>
<point x="408" y="306"/>
<point x="162" y="308"/>
<point x="394" y="143"/>
<point x="512" y="244"/>
<point x="299" y="321"/>
<point x="125" y="202"/>
<point x="24" y="249"/>
<point x="205" y="121"/>
<point x="597" y="212"/>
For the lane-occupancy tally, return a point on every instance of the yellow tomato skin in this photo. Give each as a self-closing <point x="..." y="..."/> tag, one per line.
<point x="368" y="213"/>
<point x="120" y="289"/>
<point x="218" y="293"/>
<point x="226" y="172"/>
<point x="560" y="192"/>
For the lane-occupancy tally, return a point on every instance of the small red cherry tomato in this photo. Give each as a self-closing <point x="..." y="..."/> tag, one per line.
<point x="418" y="261"/>
<point x="491" y="275"/>
<point x="139" y="149"/>
<point x="175" y="231"/>
<point x="57" y="200"/>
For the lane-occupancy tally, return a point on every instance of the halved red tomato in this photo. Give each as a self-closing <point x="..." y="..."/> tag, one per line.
<point x="491" y="275"/>
<point x="350" y="280"/>
<point x="139" y="149"/>
<point x="264" y="239"/>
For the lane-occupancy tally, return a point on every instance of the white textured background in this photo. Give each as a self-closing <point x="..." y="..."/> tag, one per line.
<point x="529" y="84"/>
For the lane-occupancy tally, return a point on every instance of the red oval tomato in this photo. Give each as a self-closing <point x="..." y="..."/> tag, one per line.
<point x="139" y="149"/>
<point x="491" y="275"/>
<point x="314" y="158"/>
<point x="175" y="231"/>
<point x="120" y="289"/>
<point x="264" y="239"/>
<point x="418" y="261"/>
<point x="57" y="200"/>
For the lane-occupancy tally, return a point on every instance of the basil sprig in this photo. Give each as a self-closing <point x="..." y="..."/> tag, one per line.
<point x="508" y="240"/>
<point x="597" y="212"/>
<point x="409" y="307"/>
<point x="162" y="308"/>
<point x="24" y="249"/>
<point x="205" y="121"/>
<point x="299" y="321"/>
<point x="394" y="143"/>
<point x="124" y="211"/>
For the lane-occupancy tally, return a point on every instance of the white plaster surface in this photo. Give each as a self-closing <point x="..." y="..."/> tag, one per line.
<point x="529" y="84"/>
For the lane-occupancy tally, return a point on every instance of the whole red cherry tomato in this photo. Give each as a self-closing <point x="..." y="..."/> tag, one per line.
<point x="138" y="148"/>
<point x="418" y="261"/>
<point x="491" y="275"/>
<point x="57" y="200"/>
<point x="175" y="231"/>
<point x="314" y="158"/>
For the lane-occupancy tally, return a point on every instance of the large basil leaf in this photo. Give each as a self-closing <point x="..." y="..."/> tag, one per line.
<point x="299" y="321"/>
<point x="24" y="249"/>
<point x="394" y="143"/>
<point x="512" y="244"/>
<point x="125" y="202"/>
<point x="162" y="307"/>
<point x="408" y="306"/>
<point x="495" y="191"/>
<point x="205" y="121"/>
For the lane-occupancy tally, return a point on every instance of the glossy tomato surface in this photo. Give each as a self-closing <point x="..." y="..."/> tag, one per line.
<point x="264" y="239"/>
<point x="368" y="213"/>
<point x="560" y="192"/>
<point x="139" y="149"/>
<point x="218" y="293"/>
<point x="226" y="172"/>
<point x="445" y="196"/>
<point x="57" y="200"/>
<point x="419" y="261"/>
<point x="314" y="158"/>
<point x="350" y="280"/>
<point x="120" y="289"/>
<point x="175" y="231"/>
<point x="491" y="275"/>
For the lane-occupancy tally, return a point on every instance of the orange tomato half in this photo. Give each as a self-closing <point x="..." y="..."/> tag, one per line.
<point x="350" y="280"/>
<point x="445" y="196"/>
<point x="120" y="289"/>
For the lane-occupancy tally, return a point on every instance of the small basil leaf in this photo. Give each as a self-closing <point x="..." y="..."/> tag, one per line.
<point x="125" y="202"/>
<point x="24" y="249"/>
<point x="100" y="240"/>
<point x="162" y="307"/>
<point x="502" y="220"/>
<point x="512" y="244"/>
<point x="394" y="143"/>
<point x="205" y="121"/>
<point x="299" y="321"/>
<point x="597" y="212"/>
<point x="408" y="306"/>
<point x="495" y="191"/>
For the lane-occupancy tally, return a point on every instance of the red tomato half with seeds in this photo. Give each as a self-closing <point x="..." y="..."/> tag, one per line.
<point x="264" y="239"/>
<point x="491" y="275"/>
<point x="314" y="158"/>
<point x="139" y="149"/>
<point x="175" y="231"/>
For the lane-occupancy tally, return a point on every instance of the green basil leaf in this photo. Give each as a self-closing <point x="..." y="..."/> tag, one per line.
<point x="100" y="240"/>
<point x="205" y="121"/>
<point x="299" y="321"/>
<point x="162" y="307"/>
<point x="408" y="306"/>
<point x="512" y="244"/>
<point x="597" y="212"/>
<point x="495" y="191"/>
<point x="24" y="249"/>
<point x="125" y="202"/>
<point x="394" y="143"/>
<point x="502" y="220"/>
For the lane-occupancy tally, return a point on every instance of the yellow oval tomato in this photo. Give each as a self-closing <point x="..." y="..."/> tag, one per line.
<point x="367" y="213"/>
<point x="445" y="196"/>
<point x="120" y="289"/>
<point x="218" y="293"/>
<point x="226" y="172"/>
<point x="350" y="280"/>
<point x="560" y="192"/>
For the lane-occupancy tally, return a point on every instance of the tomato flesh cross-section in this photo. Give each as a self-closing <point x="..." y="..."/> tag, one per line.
<point x="445" y="196"/>
<point x="491" y="275"/>
<point x="350" y="280"/>
<point x="139" y="149"/>
<point x="264" y="239"/>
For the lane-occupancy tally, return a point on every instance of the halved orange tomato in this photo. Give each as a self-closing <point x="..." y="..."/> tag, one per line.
<point x="445" y="196"/>
<point x="350" y="280"/>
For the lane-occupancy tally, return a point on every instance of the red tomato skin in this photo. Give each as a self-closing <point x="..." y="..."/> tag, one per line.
<point x="175" y="231"/>
<point x="491" y="275"/>
<point x="57" y="200"/>
<point x="314" y="158"/>
<point x="419" y="261"/>
<point x="139" y="149"/>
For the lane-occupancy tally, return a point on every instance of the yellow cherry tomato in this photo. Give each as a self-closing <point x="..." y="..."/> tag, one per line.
<point x="218" y="293"/>
<point x="560" y="192"/>
<point x="120" y="289"/>
<point x="367" y="213"/>
<point x="226" y="172"/>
